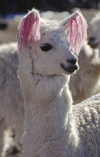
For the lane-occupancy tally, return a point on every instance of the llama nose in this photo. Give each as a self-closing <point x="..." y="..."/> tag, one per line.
<point x="72" y="61"/>
<point x="91" y="38"/>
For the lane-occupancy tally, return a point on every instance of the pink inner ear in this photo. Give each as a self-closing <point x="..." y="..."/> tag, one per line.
<point x="29" y="29"/>
<point x="78" y="32"/>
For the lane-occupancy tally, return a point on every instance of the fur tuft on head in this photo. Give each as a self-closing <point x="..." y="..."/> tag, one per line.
<point x="78" y="32"/>
<point x="29" y="29"/>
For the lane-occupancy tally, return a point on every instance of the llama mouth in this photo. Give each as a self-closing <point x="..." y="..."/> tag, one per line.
<point x="70" y="69"/>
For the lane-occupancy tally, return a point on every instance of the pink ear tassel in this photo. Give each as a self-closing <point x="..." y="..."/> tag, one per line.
<point x="29" y="29"/>
<point x="78" y="32"/>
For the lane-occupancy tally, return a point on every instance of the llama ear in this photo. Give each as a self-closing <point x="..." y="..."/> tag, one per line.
<point x="77" y="30"/>
<point x="29" y="29"/>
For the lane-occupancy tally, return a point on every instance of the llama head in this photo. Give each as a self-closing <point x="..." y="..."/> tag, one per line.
<point x="52" y="44"/>
<point x="94" y="38"/>
<point x="87" y="55"/>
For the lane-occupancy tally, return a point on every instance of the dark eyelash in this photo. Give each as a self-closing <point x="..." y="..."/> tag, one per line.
<point x="46" y="47"/>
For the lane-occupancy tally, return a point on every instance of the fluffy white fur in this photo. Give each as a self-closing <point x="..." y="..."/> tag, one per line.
<point x="11" y="95"/>
<point x="94" y="38"/>
<point x="11" y="99"/>
<point x="86" y="82"/>
<point x="53" y="127"/>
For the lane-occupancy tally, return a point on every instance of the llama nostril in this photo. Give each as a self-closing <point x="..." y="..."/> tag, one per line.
<point x="91" y="38"/>
<point x="73" y="61"/>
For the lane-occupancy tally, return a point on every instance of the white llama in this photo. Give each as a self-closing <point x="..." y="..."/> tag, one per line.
<point x="53" y="127"/>
<point x="94" y="38"/>
<point x="86" y="82"/>
<point x="11" y="99"/>
<point x="81" y="87"/>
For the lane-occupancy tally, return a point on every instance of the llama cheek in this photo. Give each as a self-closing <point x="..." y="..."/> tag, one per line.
<point x="40" y="68"/>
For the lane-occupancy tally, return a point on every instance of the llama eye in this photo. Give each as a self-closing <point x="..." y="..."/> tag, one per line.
<point x="46" y="47"/>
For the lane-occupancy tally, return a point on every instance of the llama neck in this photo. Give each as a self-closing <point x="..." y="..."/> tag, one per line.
<point x="49" y="122"/>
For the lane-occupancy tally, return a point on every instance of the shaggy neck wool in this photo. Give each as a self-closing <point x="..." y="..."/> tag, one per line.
<point x="49" y="123"/>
